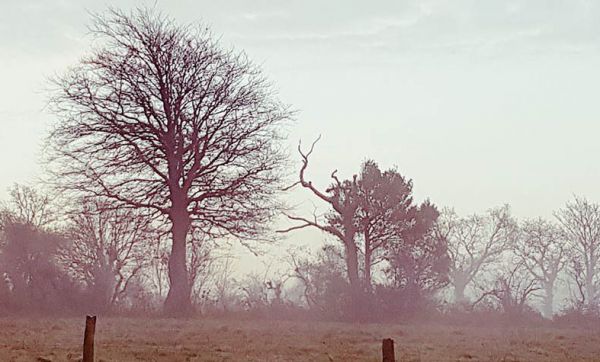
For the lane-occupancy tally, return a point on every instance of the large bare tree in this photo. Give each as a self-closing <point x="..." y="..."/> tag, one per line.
<point x="160" y="118"/>
<point x="543" y="252"/>
<point x="580" y="221"/>
<point x="473" y="243"/>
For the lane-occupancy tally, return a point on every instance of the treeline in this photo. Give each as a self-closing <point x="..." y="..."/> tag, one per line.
<point x="399" y="259"/>
<point x="411" y="260"/>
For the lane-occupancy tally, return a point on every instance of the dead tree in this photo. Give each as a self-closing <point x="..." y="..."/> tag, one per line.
<point x="543" y="252"/>
<point x="160" y="118"/>
<point x="342" y="198"/>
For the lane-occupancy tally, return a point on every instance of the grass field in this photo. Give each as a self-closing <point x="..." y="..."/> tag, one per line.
<point x="122" y="339"/>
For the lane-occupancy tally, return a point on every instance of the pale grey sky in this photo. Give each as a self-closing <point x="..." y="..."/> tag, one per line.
<point x="479" y="102"/>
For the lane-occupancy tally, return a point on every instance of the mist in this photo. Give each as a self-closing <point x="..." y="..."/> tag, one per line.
<point x="299" y="181"/>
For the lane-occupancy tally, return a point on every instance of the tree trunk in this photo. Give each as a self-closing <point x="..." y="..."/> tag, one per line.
<point x="460" y="284"/>
<point x="368" y="283"/>
<point x="590" y="290"/>
<point x="356" y="292"/>
<point x="368" y="256"/>
<point x="352" y="265"/>
<point x="178" y="302"/>
<point x="548" y="310"/>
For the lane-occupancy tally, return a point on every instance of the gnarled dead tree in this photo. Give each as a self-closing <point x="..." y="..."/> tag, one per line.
<point x="342" y="198"/>
<point x="160" y="118"/>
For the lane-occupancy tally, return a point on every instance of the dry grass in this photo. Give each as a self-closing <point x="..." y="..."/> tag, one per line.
<point x="121" y="339"/>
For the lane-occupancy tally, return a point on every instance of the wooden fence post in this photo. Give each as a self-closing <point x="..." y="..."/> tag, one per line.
<point x="387" y="349"/>
<point x="88" y="339"/>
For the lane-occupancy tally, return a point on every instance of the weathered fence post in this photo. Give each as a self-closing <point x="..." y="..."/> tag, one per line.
<point x="88" y="339"/>
<point x="387" y="349"/>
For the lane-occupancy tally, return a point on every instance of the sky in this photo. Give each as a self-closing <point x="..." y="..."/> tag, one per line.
<point x="480" y="103"/>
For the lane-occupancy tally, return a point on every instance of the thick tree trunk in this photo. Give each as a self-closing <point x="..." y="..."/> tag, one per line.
<point x="352" y="265"/>
<point x="178" y="302"/>
<point x="356" y="290"/>
<point x="460" y="284"/>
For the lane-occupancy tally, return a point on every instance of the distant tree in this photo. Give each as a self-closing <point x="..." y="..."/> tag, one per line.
<point x="200" y="260"/>
<point x="473" y="243"/>
<point x="28" y="206"/>
<point x="512" y="289"/>
<point x="222" y="294"/>
<point x="385" y="211"/>
<point x="419" y="262"/>
<point x="263" y="293"/>
<point x="160" y="118"/>
<point x="323" y="281"/>
<point x="106" y="249"/>
<point x="29" y="267"/>
<point x="29" y="274"/>
<point x="543" y="252"/>
<point x="157" y="273"/>
<point x="580" y="221"/>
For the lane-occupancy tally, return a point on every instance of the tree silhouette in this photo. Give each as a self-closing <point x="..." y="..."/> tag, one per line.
<point x="473" y="243"/>
<point x="386" y="211"/>
<point x="161" y="119"/>
<point x="542" y="249"/>
<point x="580" y="222"/>
<point x="105" y="250"/>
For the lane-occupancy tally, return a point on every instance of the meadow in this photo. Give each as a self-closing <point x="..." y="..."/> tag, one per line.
<point x="134" y="339"/>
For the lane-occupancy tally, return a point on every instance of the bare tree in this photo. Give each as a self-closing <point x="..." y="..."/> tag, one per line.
<point x="342" y="197"/>
<point x="28" y="206"/>
<point x="318" y="274"/>
<point x="158" y="271"/>
<point x="199" y="263"/>
<point x="222" y="284"/>
<point x="473" y="243"/>
<point x="542" y="250"/>
<point x="512" y="289"/>
<point x="580" y="221"/>
<point x="29" y="275"/>
<point x="262" y="291"/>
<point x="106" y="250"/>
<point x="161" y="119"/>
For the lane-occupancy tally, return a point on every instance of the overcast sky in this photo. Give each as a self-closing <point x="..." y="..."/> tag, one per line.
<point x="479" y="102"/>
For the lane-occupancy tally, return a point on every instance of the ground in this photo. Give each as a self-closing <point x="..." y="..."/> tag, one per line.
<point x="124" y="339"/>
